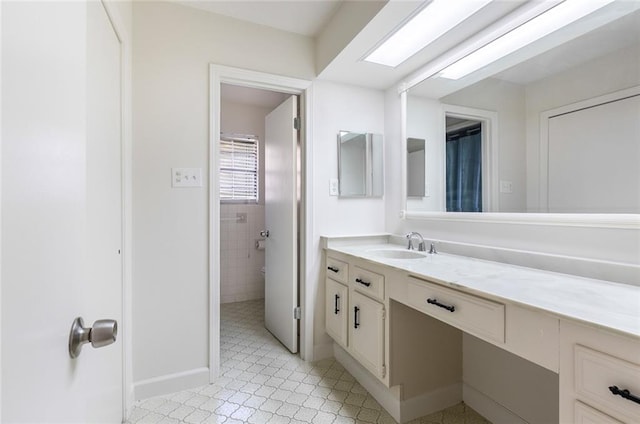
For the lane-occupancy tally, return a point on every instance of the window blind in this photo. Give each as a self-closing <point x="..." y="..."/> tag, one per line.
<point x="239" y="170"/>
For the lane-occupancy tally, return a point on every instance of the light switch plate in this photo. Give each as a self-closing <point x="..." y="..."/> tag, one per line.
<point x="186" y="177"/>
<point x="506" y="186"/>
<point x="333" y="187"/>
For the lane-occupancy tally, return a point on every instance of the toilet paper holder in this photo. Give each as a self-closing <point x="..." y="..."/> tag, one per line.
<point x="103" y="333"/>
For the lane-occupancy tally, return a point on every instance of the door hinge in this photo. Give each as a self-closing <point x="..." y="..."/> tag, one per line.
<point x="384" y="314"/>
<point x="297" y="313"/>
<point x="384" y="371"/>
<point x="296" y="123"/>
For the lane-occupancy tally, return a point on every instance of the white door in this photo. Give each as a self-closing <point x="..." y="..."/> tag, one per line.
<point x="281" y="260"/>
<point x="593" y="159"/>
<point x="61" y="211"/>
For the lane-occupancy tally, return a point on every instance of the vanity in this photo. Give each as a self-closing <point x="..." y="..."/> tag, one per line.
<point x="398" y="317"/>
<point x="537" y="150"/>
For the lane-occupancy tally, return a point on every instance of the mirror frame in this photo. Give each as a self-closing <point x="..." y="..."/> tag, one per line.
<point x="620" y="221"/>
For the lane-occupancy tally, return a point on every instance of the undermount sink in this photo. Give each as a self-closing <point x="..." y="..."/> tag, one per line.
<point x="398" y="254"/>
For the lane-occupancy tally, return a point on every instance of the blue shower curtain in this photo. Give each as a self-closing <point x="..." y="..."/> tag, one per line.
<point x="464" y="172"/>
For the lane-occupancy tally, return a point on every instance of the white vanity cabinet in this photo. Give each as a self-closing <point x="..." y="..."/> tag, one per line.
<point x="355" y="311"/>
<point x="408" y="324"/>
<point x="599" y="375"/>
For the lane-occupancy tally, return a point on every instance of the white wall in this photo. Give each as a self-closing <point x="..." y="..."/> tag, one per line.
<point x="592" y="79"/>
<point x="173" y="47"/>
<point x="593" y="157"/>
<point x="240" y="262"/>
<point x="338" y="107"/>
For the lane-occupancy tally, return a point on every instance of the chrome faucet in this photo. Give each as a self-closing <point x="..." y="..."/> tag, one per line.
<point x="410" y="236"/>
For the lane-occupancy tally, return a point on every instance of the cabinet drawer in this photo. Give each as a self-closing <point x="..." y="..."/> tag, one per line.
<point x="475" y="315"/>
<point x="368" y="282"/>
<point x="587" y="415"/>
<point x="337" y="270"/>
<point x="596" y="374"/>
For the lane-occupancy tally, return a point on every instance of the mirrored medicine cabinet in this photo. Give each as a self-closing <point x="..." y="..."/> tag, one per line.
<point x="552" y="128"/>
<point x="360" y="164"/>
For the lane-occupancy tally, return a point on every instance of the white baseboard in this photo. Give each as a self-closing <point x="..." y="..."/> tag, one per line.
<point x="170" y="383"/>
<point x="322" y="351"/>
<point x="129" y="401"/>
<point x="489" y="408"/>
<point x="428" y="403"/>
<point x="390" y="399"/>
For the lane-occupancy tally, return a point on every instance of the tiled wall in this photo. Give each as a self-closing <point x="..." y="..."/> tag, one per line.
<point x="240" y="261"/>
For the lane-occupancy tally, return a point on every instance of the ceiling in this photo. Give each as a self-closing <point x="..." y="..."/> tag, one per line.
<point x="252" y="96"/>
<point x="310" y="17"/>
<point x="616" y="35"/>
<point x="306" y="17"/>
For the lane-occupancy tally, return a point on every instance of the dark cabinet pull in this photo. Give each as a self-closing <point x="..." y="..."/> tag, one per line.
<point x="624" y="393"/>
<point x="332" y="268"/>
<point x="335" y="308"/>
<point x="434" y="301"/>
<point x="356" y="313"/>
<point x="364" y="283"/>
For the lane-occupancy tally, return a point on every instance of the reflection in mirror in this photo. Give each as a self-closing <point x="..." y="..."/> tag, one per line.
<point x="416" y="157"/>
<point x="360" y="167"/>
<point x="566" y="123"/>
<point x="463" y="164"/>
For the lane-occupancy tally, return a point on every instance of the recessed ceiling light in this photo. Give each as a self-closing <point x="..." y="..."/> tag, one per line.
<point x="435" y="19"/>
<point x="544" y="24"/>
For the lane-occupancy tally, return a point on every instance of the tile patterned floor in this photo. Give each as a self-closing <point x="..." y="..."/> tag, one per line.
<point x="261" y="382"/>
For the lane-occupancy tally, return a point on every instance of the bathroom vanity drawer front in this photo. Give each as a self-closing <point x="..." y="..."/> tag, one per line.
<point x="337" y="270"/>
<point x="475" y="315"/>
<point x="368" y="282"/>
<point x="607" y="383"/>
<point x="587" y="415"/>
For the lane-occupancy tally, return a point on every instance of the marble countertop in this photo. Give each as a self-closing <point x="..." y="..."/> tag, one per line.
<point x="610" y="305"/>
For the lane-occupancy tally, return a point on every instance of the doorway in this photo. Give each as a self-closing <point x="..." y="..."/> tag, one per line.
<point x="470" y="156"/>
<point x="258" y="215"/>
<point x="242" y="103"/>
<point x="464" y="176"/>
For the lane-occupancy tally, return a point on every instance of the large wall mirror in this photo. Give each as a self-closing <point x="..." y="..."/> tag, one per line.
<point x="360" y="167"/>
<point x="552" y="128"/>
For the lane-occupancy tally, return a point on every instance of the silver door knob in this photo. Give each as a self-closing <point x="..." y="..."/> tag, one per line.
<point x="103" y="333"/>
<point x="264" y="233"/>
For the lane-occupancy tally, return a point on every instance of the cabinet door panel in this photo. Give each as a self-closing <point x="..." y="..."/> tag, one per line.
<point x="587" y="415"/>
<point x="596" y="373"/>
<point x="366" y="332"/>
<point x="336" y="311"/>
